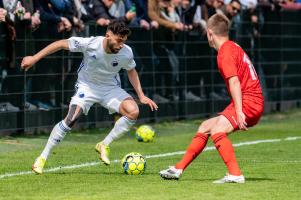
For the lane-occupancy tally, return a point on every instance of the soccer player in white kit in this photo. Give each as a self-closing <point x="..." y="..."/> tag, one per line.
<point x="98" y="82"/>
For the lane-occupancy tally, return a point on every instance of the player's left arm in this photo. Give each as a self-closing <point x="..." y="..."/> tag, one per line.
<point x="135" y="81"/>
<point x="235" y="90"/>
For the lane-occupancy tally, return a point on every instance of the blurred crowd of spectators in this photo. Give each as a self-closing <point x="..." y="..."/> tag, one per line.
<point x="173" y="14"/>
<point x="71" y="17"/>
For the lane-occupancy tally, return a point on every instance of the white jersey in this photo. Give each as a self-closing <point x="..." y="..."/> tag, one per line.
<point x="97" y="67"/>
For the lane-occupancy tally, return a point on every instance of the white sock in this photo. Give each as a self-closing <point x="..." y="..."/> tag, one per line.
<point x="57" y="135"/>
<point x="121" y="126"/>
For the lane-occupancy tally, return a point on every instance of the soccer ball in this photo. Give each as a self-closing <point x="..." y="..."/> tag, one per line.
<point x="133" y="163"/>
<point x="145" y="133"/>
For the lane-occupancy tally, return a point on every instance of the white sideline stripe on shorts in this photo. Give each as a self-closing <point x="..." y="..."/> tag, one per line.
<point x="148" y="156"/>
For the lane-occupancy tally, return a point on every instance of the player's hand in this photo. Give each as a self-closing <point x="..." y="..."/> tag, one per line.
<point x="145" y="100"/>
<point x="28" y="62"/>
<point x="241" y="118"/>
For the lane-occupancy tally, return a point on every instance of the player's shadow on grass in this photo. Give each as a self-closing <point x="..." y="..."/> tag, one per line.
<point x="259" y="179"/>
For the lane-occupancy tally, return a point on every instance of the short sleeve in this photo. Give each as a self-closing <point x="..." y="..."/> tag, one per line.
<point x="227" y="61"/>
<point x="78" y="44"/>
<point x="131" y="63"/>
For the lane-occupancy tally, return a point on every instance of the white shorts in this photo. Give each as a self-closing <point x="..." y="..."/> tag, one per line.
<point x="109" y="97"/>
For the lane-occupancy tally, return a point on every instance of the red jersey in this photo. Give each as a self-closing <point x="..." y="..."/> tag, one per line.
<point x="233" y="61"/>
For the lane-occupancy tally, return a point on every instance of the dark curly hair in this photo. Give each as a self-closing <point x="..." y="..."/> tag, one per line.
<point x="118" y="27"/>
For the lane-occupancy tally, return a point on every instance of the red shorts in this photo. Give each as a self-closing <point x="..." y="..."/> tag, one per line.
<point x="252" y="109"/>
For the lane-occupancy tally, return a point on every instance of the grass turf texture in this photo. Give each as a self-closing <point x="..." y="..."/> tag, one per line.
<point x="272" y="170"/>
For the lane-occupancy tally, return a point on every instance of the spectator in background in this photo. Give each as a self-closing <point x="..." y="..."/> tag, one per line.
<point x="123" y="9"/>
<point x="51" y="14"/>
<point x="250" y="14"/>
<point x="142" y="18"/>
<point x="17" y="20"/>
<point x="231" y="9"/>
<point x="210" y="7"/>
<point x="191" y="14"/>
<point x="290" y="5"/>
<point x="3" y="14"/>
<point x="248" y="4"/>
<point x="169" y="11"/>
<point x="78" y="13"/>
<point x="154" y="13"/>
<point x="165" y="13"/>
<point x="68" y="9"/>
<point x="57" y="19"/>
<point x="34" y="21"/>
<point x="99" y="10"/>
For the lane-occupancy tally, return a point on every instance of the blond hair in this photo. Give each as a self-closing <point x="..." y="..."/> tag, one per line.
<point x="219" y="24"/>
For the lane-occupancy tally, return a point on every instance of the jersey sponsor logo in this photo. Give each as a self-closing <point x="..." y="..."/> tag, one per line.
<point x="76" y="44"/>
<point x="93" y="56"/>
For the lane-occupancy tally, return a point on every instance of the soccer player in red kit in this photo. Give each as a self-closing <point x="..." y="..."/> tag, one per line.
<point x="244" y="110"/>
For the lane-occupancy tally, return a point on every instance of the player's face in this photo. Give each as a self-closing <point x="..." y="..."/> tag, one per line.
<point x="115" y="42"/>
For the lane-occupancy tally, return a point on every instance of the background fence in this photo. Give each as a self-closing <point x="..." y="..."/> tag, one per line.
<point x="181" y="68"/>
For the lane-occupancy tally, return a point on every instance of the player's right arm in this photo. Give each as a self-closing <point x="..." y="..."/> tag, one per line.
<point x="29" y="61"/>
<point x="235" y="91"/>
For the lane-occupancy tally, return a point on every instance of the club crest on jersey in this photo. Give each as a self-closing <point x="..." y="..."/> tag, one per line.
<point x="114" y="63"/>
<point x="81" y="95"/>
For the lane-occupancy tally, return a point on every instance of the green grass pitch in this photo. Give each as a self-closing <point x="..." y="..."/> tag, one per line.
<point x="272" y="169"/>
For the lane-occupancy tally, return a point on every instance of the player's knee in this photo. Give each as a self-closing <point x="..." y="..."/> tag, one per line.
<point x="219" y="128"/>
<point x="133" y="113"/>
<point x="203" y="128"/>
<point x="222" y="126"/>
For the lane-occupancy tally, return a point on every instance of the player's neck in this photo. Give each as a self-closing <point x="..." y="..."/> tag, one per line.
<point x="105" y="46"/>
<point x="220" y="41"/>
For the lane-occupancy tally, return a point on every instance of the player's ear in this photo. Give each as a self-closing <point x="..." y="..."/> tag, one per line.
<point x="209" y="32"/>
<point x="107" y="35"/>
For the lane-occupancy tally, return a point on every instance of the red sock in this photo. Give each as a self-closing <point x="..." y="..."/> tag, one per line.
<point x="226" y="151"/>
<point x="197" y="145"/>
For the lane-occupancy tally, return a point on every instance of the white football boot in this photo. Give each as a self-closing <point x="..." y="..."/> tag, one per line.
<point x="171" y="173"/>
<point x="231" y="179"/>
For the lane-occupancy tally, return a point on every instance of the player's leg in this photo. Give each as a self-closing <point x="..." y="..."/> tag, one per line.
<point x="57" y="135"/>
<point x="225" y="148"/>
<point x="196" y="146"/>
<point x="80" y="103"/>
<point x="129" y="111"/>
<point x="117" y="101"/>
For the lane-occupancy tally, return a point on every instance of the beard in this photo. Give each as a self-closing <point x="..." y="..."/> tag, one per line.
<point x="112" y="49"/>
